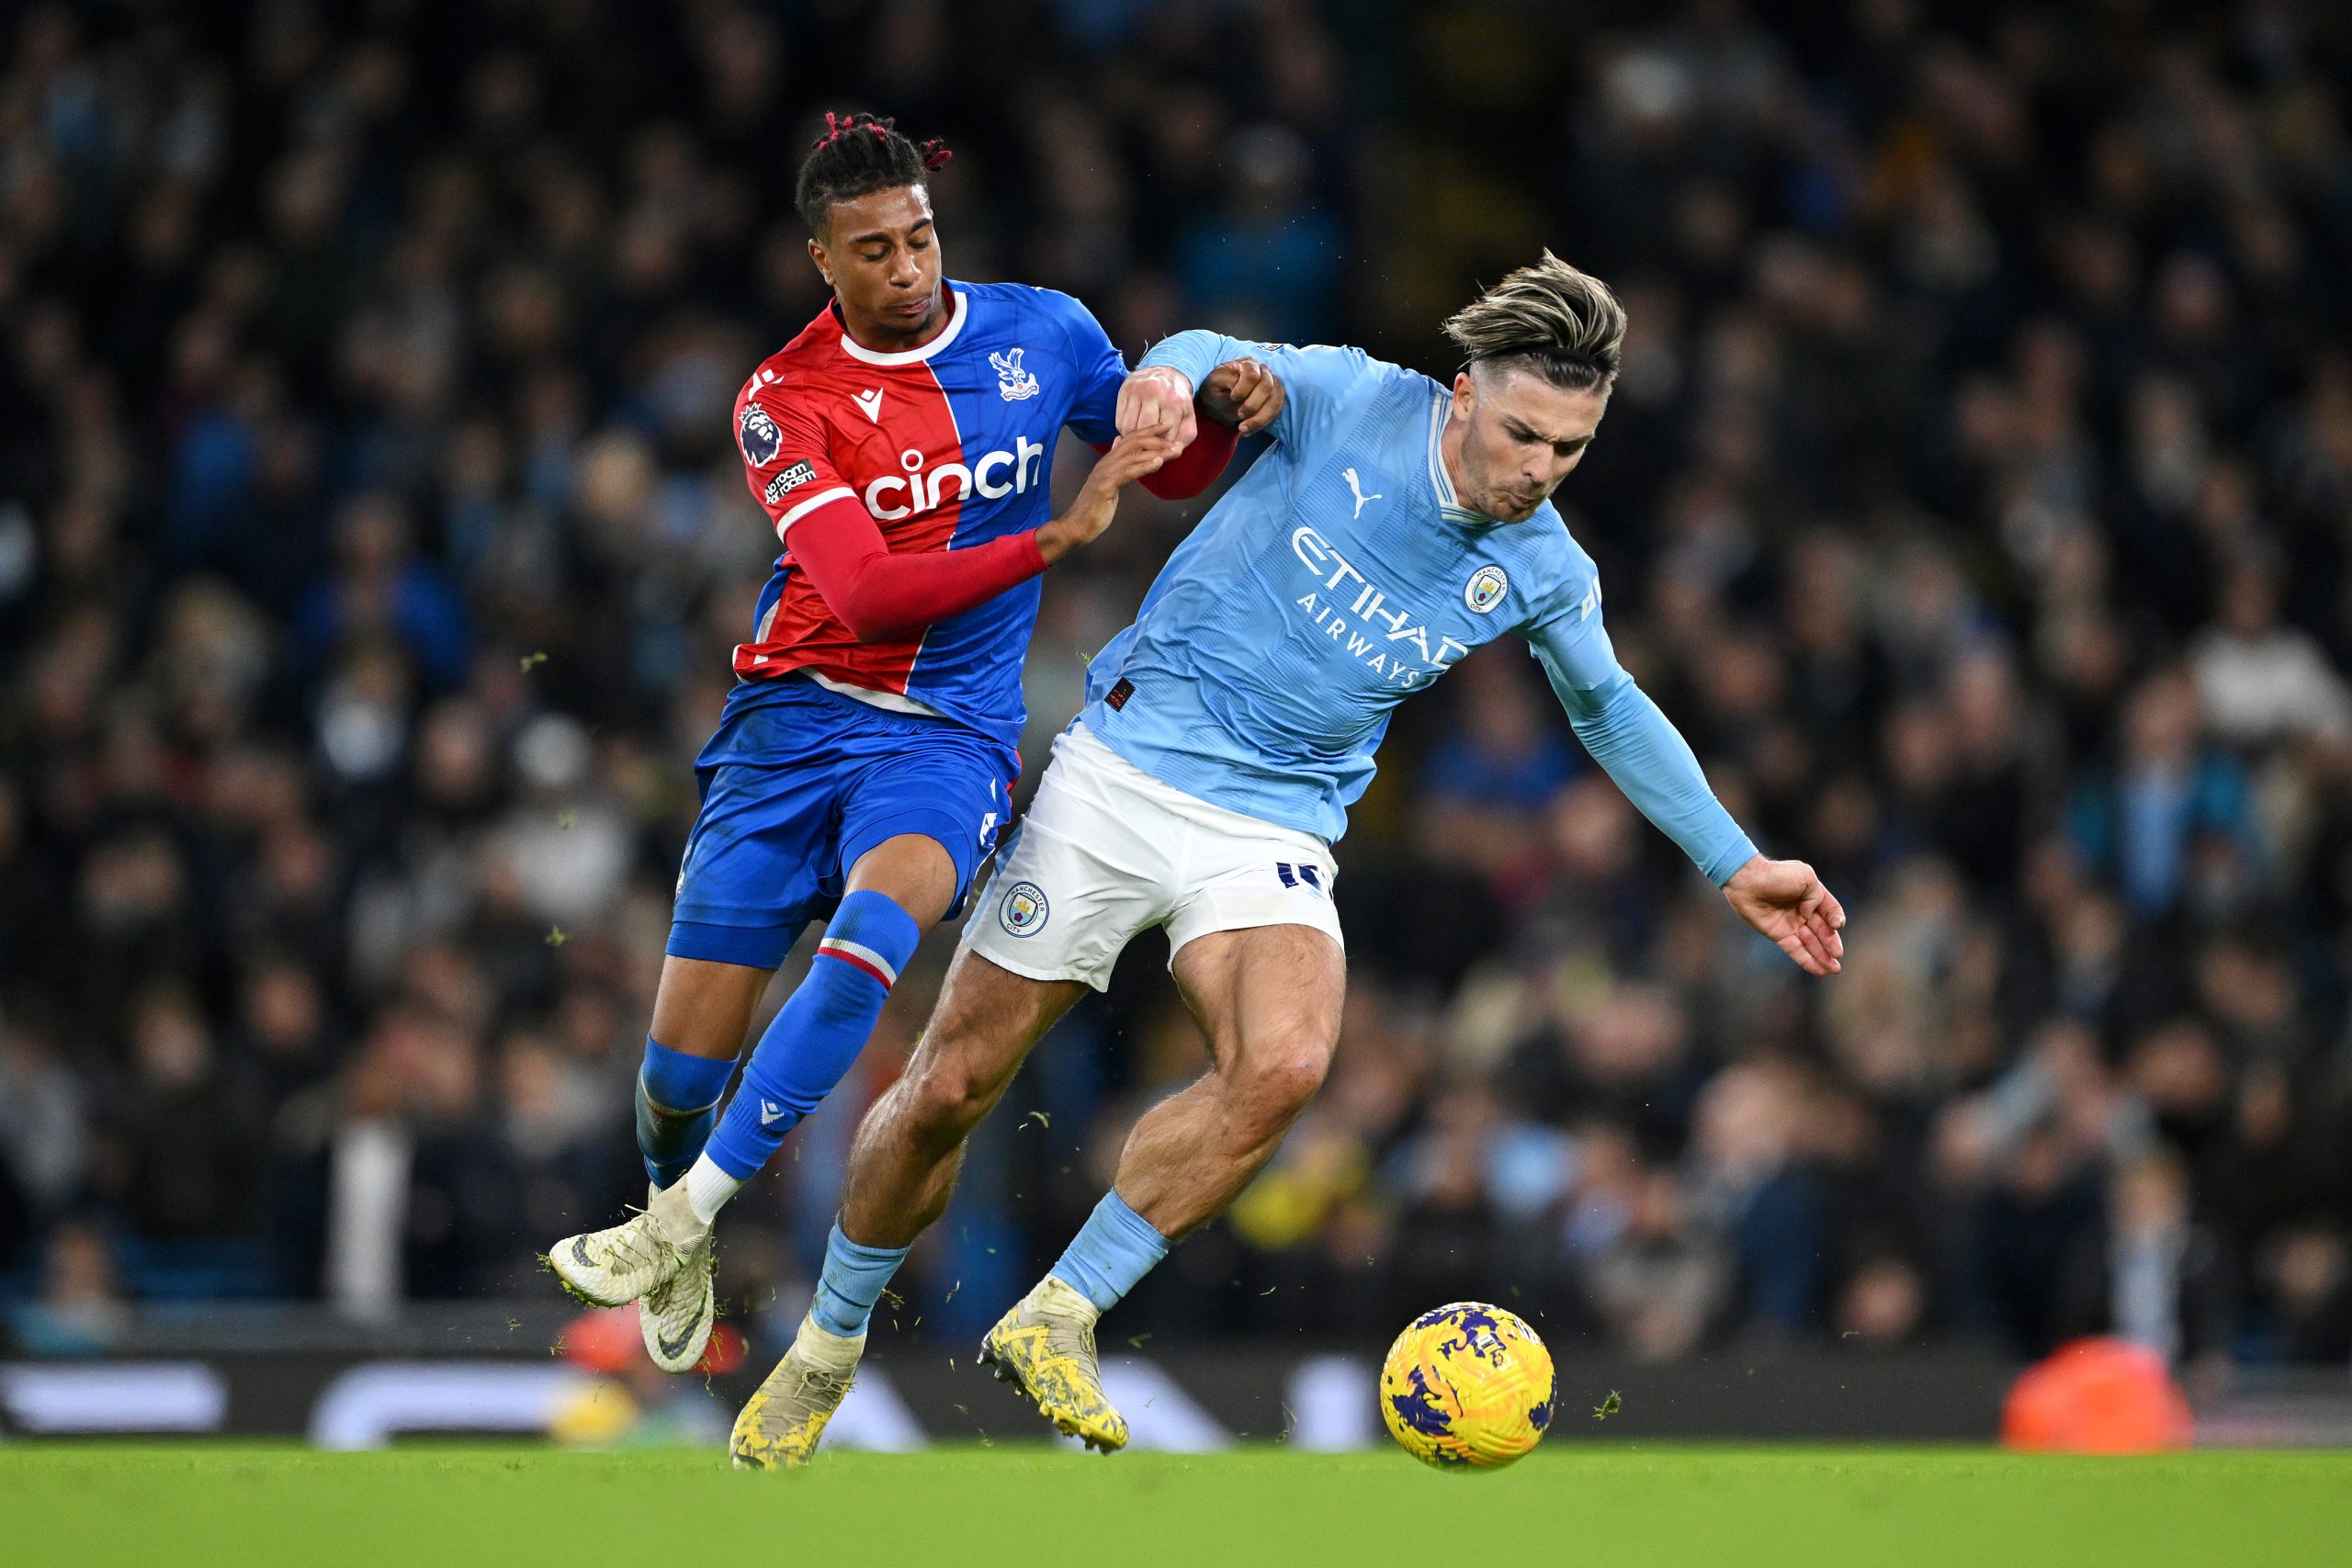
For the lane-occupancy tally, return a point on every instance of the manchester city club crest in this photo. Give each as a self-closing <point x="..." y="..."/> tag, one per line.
<point x="1012" y="383"/>
<point x="1024" y="910"/>
<point x="1488" y="585"/>
<point x="760" y="438"/>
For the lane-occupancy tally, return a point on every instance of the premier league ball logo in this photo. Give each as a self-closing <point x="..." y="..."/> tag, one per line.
<point x="1486" y="588"/>
<point x="1024" y="910"/>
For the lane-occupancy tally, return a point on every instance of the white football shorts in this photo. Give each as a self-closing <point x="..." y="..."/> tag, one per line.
<point x="1107" y="850"/>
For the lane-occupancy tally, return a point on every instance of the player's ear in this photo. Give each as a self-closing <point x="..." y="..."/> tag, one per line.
<point x="1466" y="394"/>
<point x="817" y="255"/>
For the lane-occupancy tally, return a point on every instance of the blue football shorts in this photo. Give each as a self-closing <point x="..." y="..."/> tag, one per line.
<point x="796" y="784"/>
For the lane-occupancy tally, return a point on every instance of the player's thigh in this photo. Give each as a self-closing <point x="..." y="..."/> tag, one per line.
<point x="914" y="871"/>
<point x="1268" y="997"/>
<point x="987" y="1021"/>
<point x="918" y="820"/>
<point x="756" y="863"/>
<point x="1255" y="943"/>
<point x="703" y="1008"/>
<point x="1090" y="865"/>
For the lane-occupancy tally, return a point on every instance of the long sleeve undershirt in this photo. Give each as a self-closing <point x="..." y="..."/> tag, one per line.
<point x="1640" y="749"/>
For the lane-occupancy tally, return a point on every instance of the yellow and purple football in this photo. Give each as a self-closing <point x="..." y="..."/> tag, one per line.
<point x="1467" y="1385"/>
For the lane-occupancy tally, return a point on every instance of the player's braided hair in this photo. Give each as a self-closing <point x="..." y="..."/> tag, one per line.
<point x="859" y="155"/>
<point x="1563" y="324"/>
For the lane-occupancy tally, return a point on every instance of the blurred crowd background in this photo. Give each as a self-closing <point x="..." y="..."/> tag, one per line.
<point x="1977" y="496"/>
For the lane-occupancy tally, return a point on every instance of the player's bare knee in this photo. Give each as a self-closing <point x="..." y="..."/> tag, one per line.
<point x="1274" y="1086"/>
<point x="945" y="1100"/>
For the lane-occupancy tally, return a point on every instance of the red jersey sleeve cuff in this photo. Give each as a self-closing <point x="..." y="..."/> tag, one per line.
<point x="1196" y="467"/>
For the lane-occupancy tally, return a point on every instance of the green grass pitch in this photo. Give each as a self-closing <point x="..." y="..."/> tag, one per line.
<point x="255" y="1506"/>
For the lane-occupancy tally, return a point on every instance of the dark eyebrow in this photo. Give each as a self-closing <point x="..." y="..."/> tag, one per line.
<point x="1528" y="433"/>
<point x="882" y="236"/>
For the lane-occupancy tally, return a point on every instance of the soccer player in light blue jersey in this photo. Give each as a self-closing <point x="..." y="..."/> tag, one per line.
<point x="1395" y="525"/>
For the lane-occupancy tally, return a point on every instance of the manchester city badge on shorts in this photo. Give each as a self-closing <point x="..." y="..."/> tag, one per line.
<point x="1024" y="910"/>
<point x="1487" y="587"/>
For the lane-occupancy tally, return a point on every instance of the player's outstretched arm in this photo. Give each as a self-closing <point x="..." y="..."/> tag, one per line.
<point x="1131" y="457"/>
<point x="879" y="595"/>
<point x="1640" y="749"/>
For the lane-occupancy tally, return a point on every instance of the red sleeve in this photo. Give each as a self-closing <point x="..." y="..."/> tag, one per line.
<point x="878" y="594"/>
<point x="787" y="453"/>
<point x="1196" y="467"/>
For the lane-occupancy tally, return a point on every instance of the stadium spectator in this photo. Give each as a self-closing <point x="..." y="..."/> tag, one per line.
<point x="179" y="1146"/>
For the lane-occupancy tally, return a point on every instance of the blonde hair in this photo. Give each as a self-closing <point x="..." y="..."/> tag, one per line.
<point x="1563" y="324"/>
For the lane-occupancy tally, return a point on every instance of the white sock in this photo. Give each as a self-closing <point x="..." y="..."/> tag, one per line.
<point x="1056" y="1291"/>
<point x="821" y="1347"/>
<point x="709" y="1188"/>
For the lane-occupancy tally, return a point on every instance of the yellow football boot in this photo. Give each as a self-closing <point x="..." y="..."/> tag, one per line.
<point x="1044" y="1347"/>
<point x="782" y="1421"/>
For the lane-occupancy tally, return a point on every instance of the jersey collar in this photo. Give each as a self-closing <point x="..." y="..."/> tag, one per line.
<point x="956" y="312"/>
<point x="1449" y="504"/>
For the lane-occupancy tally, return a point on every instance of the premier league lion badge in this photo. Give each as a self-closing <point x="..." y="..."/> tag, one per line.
<point x="759" y="437"/>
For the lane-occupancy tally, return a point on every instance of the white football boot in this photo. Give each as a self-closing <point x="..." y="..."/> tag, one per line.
<point x="675" y="1316"/>
<point x="660" y="1256"/>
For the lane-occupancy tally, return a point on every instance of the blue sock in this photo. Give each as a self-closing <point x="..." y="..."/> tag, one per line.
<point x="852" y="1282"/>
<point x="1115" y="1247"/>
<point x="677" y="1098"/>
<point x="819" y="1033"/>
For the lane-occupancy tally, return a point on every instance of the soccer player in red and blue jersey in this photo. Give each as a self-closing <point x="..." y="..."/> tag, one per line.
<point x="902" y="446"/>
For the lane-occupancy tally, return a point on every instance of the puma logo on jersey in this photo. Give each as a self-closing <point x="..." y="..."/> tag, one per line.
<point x="870" y="401"/>
<point x="1357" y="486"/>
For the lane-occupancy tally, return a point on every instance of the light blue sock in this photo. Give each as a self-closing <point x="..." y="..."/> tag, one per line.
<point x="677" y="1099"/>
<point x="819" y="1033"/>
<point x="852" y="1282"/>
<point x="1115" y="1247"/>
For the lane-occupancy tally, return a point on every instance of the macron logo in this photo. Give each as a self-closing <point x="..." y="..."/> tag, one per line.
<point x="771" y="1113"/>
<point x="871" y="402"/>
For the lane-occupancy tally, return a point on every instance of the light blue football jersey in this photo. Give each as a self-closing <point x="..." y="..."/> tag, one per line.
<point x="1340" y="575"/>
